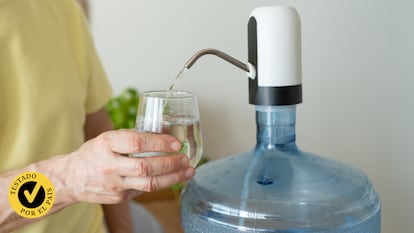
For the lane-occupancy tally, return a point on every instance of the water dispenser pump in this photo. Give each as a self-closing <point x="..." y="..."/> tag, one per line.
<point x="276" y="187"/>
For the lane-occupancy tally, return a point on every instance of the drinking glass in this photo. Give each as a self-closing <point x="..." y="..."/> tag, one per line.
<point x="175" y="113"/>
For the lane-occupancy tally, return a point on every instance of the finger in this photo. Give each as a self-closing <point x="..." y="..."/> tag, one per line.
<point x="129" y="141"/>
<point x="151" y="166"/>
<point x="152" y="183"/>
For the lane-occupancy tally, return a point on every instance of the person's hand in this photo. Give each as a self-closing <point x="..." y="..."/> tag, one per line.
<point x="100" y="172"/>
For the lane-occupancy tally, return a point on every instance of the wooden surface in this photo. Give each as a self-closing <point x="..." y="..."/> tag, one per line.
<point x="164" y="205"/>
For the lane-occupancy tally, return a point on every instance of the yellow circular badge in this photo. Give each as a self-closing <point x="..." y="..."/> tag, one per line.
<point x="31" y="195"/>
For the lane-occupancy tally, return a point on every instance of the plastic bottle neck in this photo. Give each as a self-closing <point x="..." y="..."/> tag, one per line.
<point x="276" y="126"/>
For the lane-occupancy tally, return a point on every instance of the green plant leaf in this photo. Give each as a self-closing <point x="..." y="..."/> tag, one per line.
<point x="123" y="108"/>
<point x="185" y="147"/>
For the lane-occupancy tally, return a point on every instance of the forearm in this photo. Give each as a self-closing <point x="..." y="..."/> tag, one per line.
<point x="9" y="220"/>
<point x="55" y="169"/>
<point x="118" y="218"/>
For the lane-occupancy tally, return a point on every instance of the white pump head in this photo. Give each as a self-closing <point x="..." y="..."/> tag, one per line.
<point x="274" y="36"/>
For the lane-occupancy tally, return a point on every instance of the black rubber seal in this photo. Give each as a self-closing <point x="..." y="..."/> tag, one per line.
<point x="271" y="96"/>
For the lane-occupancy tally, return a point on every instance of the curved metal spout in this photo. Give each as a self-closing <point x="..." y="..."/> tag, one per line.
<point x="218" y="53"/>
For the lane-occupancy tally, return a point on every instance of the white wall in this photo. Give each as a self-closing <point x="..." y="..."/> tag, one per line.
<point x="358" y="61"/>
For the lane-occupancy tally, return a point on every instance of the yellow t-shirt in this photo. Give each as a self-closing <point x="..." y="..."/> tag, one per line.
<point x="50" y="78"/>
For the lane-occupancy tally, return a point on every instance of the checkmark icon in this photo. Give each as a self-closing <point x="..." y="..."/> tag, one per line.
<point x="31" y="196"/>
